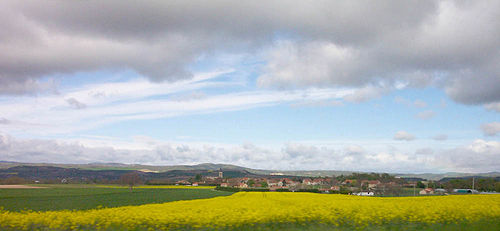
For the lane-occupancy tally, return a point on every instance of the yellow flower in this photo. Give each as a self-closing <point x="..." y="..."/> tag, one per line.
<point x="247" y="208"/>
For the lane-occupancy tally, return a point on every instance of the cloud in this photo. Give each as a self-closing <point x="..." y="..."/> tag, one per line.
<point x="425" y="115"/>
<point x="424" y="151"/>
<point x="75" y="103"/>
<point x="417" y="103"/>
<point x="190" y="96"/>
<point x="318" y="103"/>
<point x="309" y="44"/>
<point x="401" y="100"/>
<point x="440" y="137"/>
<point x="491" y="129"/>
<point x="402" y="135"/>
<point x="493" y="107"/>
<point x="420" y="103"/>
<point x="439" y="52"/>
<point x="138" y="99"/>
<point x="4" y="121"/>
<point x="479" y="156"/>
<point x="365" y="93"/>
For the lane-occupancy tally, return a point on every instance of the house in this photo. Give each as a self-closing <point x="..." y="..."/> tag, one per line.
<point x="233" y="182"/>
<point x="318" y="181"/>
<point x="372" y="183"/>
<point x="182" y="182"/>
<point x="194" y="184"/>
<point x="335" y="188"/>
<point x="224" y="184"/>
<point x="426" y="191"/>
<point x="242" y="185"/>
<point x="289" y="182"/>
<point x="307" y="181"/>
<point x="365" y="194"/>
<point x="274" y="182"/>
<point x="349" y="182"/>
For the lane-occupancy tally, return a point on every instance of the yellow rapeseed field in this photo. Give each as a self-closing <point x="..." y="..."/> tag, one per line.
<point x="246" y="208"/>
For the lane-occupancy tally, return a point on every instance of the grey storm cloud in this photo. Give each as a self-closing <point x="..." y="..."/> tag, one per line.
<point x="371" y="45"/>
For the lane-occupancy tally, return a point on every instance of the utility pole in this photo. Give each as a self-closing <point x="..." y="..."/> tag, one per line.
<point x="472" y="185"/>
<point x="414" y="193"/>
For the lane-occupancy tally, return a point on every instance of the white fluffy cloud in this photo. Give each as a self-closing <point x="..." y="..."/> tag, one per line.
<point x="493" y="107"/>
<point x="478" y="156"/>
<point x="403" y="135"/>
<point x="491" y="129"/>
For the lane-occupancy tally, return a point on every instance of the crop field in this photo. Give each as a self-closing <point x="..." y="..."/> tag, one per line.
<point x="79" y="197"/>
<point x="273" y="211"/>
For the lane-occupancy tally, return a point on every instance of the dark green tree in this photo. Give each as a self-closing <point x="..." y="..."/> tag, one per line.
<point x="420" y="184"/>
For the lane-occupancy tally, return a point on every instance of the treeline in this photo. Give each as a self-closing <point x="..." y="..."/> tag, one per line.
<point x="231" y="189"/>
<point x="382" y="177"/>
<point x="312" y="190"/>
<point x="483" y="184"/>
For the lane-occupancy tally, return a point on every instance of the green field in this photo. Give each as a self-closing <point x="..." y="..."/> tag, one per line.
<point x="81" y="197"/>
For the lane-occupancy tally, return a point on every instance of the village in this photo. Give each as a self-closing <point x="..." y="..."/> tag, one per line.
<point x="357" y="184"/>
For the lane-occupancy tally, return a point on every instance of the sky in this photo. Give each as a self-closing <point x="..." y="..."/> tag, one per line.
<point x="384" y="86"/>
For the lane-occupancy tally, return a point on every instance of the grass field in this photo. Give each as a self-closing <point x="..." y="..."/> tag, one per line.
<point x="82" y="197"/>
<point x="276" y="211"/>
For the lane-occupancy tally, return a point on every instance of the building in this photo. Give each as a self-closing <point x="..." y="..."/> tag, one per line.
<point x="465" y="191"/>
<point x="242" y="185"/>
<point x="307" y="181"/>
<point x="335" y="188"/>
<point x="426" y="191"/>
<point x="274" y="182"/>
<point x="440" y="191"/>
<point x="349" y="182"/>
<point x="365" y="194"/>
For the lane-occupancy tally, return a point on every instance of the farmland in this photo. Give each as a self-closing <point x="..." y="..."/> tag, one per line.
<point x="82" y="197"/>
<point x="275" y="210"/>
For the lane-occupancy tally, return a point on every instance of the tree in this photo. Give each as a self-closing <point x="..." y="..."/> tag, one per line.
<point x="264" y="184"/>
<point x="197" y="177"/>
<point x="250" y="182"/>
<point x="420" y="184"/>
<point x="14" y="180"/>
<point x="131" y="179"/>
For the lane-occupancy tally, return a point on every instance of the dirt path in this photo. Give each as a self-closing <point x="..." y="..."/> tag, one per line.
<point x="18" y="186"/>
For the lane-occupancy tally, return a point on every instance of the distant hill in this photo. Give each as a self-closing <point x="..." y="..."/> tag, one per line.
<point x="76" y="175"/>
<point x="439" y="176"/>
<point x="205" y="167"/>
